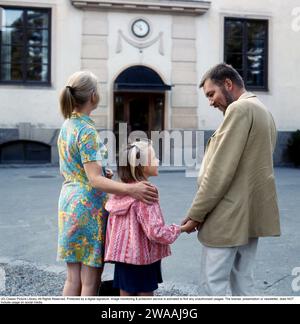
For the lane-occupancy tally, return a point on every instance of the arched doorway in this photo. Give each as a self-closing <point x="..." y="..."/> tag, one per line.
<point x="25" y="152"/>
<point x="139" y="100"/>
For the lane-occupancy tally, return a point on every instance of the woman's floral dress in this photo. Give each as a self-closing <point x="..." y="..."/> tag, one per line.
<point x="82" y="217"/>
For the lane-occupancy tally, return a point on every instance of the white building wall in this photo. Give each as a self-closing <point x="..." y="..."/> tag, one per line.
<point x="39" y="105"/>
<point x="88" y="39"/>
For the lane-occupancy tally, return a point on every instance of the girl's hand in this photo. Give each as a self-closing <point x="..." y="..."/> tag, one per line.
<point x="190" y="227"/>
<point x="143" y="191"/>
<point x="109" y="173"/>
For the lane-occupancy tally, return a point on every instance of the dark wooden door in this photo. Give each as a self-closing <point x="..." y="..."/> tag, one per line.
<point x="141" y="111"/>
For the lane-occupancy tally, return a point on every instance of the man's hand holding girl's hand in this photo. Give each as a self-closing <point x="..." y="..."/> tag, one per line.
<point x="189" y="226"/>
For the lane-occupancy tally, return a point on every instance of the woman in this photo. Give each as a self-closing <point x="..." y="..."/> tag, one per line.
<point x="82" y="217"/>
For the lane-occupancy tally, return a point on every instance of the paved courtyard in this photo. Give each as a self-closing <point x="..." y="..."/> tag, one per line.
<point x="28" y="232"/>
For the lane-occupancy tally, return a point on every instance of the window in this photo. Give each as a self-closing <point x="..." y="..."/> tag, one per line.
<point x="246" y="49"/>
<point x="25" y="46"/>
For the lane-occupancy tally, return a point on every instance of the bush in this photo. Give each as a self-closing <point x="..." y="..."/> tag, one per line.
<point x="294" y="148"/>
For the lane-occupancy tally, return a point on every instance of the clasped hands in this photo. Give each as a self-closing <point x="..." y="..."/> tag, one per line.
<point x="189" y="226"/>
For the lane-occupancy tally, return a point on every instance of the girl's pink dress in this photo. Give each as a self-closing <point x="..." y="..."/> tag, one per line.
<point x="136" y="232"/>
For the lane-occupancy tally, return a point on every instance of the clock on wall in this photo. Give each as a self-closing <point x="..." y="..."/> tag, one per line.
<point x="140" y="28"/>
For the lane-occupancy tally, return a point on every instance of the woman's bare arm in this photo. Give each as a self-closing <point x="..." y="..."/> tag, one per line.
<point x="142" y="191"/>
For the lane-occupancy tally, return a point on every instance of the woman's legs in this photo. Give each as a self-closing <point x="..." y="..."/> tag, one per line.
<point x="91" y="280"/>
<point x="73" y="282"/>
<point x="82" y="280"/>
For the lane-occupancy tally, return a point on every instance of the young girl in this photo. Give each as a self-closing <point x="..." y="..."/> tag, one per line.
<point x="137" y="237"/>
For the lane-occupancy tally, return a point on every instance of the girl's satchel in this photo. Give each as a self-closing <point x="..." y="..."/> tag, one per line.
<point x="107" y="289"/>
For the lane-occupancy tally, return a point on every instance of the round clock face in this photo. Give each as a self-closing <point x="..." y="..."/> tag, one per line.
<point x="140" y="28"/>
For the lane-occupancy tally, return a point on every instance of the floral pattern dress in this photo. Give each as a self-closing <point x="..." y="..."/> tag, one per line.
<point x="82" y="218"/>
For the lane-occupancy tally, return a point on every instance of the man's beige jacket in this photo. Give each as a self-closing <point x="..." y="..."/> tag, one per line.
<point x="237" y="198"/>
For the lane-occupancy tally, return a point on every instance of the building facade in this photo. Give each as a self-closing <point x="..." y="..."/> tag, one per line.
<point x="149" y="57"/>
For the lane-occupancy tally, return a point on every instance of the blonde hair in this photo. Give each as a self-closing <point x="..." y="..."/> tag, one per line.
<point x="135" y="157"/>
<point x="78" y="91"/>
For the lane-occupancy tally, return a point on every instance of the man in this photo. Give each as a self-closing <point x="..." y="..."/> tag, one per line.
<point x="236" y="202"/>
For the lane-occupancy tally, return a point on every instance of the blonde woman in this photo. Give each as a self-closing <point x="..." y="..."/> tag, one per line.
<point x="82" y="217"/>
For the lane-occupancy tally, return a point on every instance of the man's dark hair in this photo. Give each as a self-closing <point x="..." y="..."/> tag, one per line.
<point x="219" y="73"/>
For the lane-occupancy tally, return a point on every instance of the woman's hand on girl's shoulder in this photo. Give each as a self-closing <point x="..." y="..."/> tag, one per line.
<point x="143" y="191"/>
